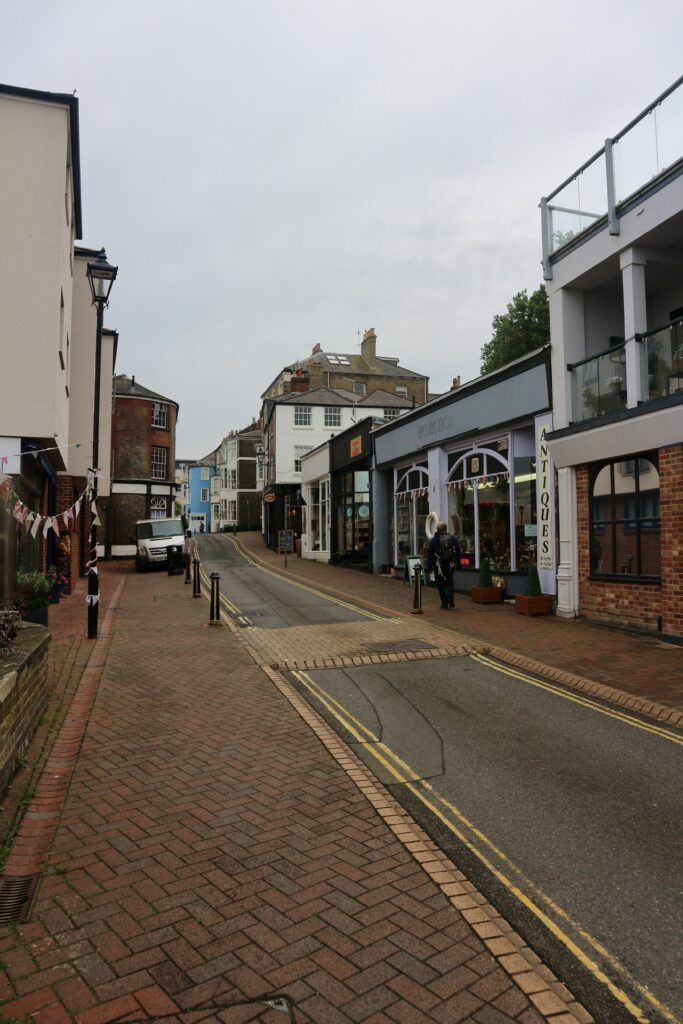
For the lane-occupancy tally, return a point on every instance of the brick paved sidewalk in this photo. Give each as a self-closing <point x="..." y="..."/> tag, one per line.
<point x="219" y="845"/>
<point x="643" y="667"/>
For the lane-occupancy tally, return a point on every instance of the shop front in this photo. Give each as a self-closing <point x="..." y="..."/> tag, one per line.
<point x="350" y="492"/>
<point x="315" y="487"/>
<point x="476" y="458"/>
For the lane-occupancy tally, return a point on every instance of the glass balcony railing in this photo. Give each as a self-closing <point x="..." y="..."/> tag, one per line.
<point x="599" y="384"/>
<point x="642" y="151"/>
<point x="578" y="204"/>
<point x="662" y="355"/>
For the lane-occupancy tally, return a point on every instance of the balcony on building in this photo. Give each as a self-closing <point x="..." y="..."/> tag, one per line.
<point x="613" y="262"/>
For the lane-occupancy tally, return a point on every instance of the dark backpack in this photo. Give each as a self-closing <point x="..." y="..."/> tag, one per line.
<point x="448" y="548"/>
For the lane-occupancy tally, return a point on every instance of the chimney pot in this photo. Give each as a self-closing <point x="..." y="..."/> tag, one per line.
<point x="456" y="382"/>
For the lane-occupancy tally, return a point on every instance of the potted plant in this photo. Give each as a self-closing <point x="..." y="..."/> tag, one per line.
<point x="32" y="596"/>
<point x="486" y="593"/>
<point x="57" y="584"/>
<point x="533" y="601"/>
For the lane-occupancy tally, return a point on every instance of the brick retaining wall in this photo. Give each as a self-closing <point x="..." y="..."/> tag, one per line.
<point x="23" y="696"/>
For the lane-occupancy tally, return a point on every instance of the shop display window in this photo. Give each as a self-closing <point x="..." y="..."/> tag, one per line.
<point x="412" y="509"/>
<point x="624" y="519"/>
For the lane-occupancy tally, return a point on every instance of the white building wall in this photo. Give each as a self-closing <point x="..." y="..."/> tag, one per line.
<point x="36" y="245"/>
<point x="289" y="436"/>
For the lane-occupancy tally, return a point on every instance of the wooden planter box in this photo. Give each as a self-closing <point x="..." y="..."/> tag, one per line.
<point x="486" y="595"/>
<point x="541" y="605"/>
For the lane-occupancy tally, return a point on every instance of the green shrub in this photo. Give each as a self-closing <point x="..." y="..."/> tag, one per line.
<point x="485" y="573"/>
<point x="33" y="590"/>
<point x="533" y="584"/>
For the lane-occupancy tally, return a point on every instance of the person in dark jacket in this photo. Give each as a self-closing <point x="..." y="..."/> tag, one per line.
<point x="442" y="560"/>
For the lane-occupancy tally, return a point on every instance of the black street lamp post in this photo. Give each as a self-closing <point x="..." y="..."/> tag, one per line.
<point x="101" y="277"/>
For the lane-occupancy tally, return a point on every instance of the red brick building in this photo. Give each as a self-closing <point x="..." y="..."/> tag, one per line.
<point x="143" y="461"/>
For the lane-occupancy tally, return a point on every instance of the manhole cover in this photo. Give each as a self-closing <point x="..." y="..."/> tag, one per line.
<point x="254" y="613"/>
<point x="396" y="646"/>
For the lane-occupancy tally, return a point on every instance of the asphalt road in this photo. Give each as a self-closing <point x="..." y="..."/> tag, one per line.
<point x="263" y="599"/>
<point x="565" y="812"/>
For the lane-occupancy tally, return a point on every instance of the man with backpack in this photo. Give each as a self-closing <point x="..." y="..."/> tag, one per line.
<point x="443" y="560"/>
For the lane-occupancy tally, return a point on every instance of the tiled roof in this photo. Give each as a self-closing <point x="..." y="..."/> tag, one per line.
<point x="386" y="399"/>
<point x="333" y="361"/>
<point x="128" y="386"/>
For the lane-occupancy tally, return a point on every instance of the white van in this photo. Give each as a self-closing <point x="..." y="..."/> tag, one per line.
<point x="152" y="537"/>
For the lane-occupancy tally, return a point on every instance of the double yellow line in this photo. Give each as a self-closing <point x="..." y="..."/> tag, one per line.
<point x="586" y="702"/>
<point x="478" y="844"/>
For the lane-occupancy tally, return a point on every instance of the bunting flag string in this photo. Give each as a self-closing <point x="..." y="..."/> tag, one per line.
<point x="23" y="514"/>
<point x="4" y="459"/>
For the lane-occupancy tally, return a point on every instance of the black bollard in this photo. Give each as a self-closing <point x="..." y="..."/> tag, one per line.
<point x="417" y="591"/>
<point x="196" y="587"/>
<point x="215" y="606"/>
<point x="188" y="556"/>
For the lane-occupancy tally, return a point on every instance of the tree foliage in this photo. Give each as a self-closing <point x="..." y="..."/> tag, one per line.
<point x="524" y="327"/>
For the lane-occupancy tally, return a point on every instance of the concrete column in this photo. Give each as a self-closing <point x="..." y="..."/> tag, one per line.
<point x="568" y="335"/>
<point x="567" y="579"/>
<point x="437" y="464"/>
<point x="632" y="264"/>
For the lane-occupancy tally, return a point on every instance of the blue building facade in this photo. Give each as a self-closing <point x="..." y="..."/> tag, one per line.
<point x="197" y="507"/>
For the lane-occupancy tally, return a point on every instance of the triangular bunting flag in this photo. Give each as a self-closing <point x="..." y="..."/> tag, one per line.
<point x="46" y="528"/>
<point x="36" y="523"/>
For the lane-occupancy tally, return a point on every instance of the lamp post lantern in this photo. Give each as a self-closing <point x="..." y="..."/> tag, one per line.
<point x="101" y="276"/>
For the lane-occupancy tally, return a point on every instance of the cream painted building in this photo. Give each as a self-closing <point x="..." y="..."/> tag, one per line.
<point x="47" y="322"/>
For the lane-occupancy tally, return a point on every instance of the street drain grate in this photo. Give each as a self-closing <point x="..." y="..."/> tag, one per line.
<point x="396" y="646"/>
<point x="15" y="897"/>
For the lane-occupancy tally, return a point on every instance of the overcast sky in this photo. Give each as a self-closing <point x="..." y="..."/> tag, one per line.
<point x="268" y="175"/>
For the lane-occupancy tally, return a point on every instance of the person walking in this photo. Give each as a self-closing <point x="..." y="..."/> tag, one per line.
<point x="443" y="559"/>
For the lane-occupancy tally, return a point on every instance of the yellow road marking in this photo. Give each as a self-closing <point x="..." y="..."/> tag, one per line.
<point x="407" y="776"/>
<point x="584" y="701"/>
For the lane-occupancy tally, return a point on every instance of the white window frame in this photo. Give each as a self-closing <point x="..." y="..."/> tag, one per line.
<point x="299" y="452"/>
<point x="231" y="510"/>
<point x="302" y="415"/>
<point x="232" y="480"/>
<point x="402" y="390"/>
<point x="332" y="416"/>
<point x="158" y="508"/>
<point x="204" y="474"/>
<point x="204" y="494"/>
<point x="159" y="465"/>
<point x="391" y="414"/>
<point x="359" y="388"/>
<point x="160" y="415"/>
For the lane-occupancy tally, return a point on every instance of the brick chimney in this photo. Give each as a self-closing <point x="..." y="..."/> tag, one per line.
<point x="456" y="383"/>
<point x="316" y="349"/>
<point x="368" y="346"/>
<point x="300" y="381"/>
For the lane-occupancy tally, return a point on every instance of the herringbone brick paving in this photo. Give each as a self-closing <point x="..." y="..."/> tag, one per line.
<point x="211" y="850"/>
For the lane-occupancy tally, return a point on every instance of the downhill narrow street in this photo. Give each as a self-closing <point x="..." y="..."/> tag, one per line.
<point x="566" y="811"/>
